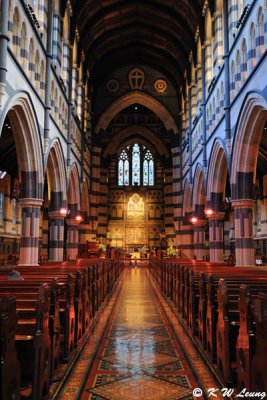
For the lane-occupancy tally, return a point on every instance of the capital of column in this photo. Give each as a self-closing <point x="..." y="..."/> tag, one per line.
<point x="200" y="223"/>
<point x="216" y="216"/>
<point x="56" y="214"/>
<point x="72" y="222"/>
<point x="243" y="203"/>
<point x="30" y="202"/>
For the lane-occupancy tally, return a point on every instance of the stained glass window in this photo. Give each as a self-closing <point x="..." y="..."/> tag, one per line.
<point x="136" y="165"/>
<point x="126" y="173"/>
<point x="123" y="169"/>
<point x="145" y="173"/>
<point x="148" y="169"/>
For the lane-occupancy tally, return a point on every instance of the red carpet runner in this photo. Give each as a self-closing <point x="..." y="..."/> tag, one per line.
<point x="139" y="357"/>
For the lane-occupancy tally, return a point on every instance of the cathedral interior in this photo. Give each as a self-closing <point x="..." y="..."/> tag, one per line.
<point x="133" y="199"/>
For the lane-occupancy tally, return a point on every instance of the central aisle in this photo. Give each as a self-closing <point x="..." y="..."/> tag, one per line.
<point x="139" y="357"/>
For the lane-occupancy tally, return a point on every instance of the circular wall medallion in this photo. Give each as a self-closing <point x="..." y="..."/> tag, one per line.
<point x="113" y="85"/>
<point x="160" y="85"/>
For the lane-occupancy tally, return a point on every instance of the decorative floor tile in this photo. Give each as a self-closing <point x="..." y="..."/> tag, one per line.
<point x="142" y="387"/>
<point x="141" y="360"/>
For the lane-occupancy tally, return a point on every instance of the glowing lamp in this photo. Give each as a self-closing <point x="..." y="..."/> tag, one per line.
<point x="78" y="218"/>
<point x="193" y="220"/>
<point x="209" y="212"/>
<point x="63" y="212"/>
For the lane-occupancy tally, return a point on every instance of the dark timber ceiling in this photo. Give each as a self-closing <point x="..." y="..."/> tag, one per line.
<point x="158" y="33"/>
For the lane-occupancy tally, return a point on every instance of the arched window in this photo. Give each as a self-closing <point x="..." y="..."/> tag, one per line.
<point x="148" y="169"/>
<point x="244" y="66"/>
<point x="260" y="33"/>
<point x="23" y="46"/>
<point x="123" y="169"/>
<point x="136" y="166"/>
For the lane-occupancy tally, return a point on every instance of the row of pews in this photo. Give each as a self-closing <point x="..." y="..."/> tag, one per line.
<point x="225" y="310"/>
<point x="44" y="317"/>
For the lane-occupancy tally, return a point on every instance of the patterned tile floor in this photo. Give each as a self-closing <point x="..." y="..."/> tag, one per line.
<point x="139" y="357"/>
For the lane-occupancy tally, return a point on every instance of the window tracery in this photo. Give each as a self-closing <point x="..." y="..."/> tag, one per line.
<point x="136" y="166"/>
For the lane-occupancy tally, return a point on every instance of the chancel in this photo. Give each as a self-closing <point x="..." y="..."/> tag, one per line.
<point x="133" y="199"/>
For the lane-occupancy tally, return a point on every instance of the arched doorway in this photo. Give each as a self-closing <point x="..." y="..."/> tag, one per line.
<point x="21" y="181"/>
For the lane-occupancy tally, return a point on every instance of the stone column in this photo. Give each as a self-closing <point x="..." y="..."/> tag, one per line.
<point x="29" y="244"/>
<point x="72" y="239"/>
<point x="186" y="237"/>
<point x="56" y="236"/>
<point x="199" y="239"/>
<point x="3" y="46"/>
<point x="216" y="225"/>
<point x="244" y="243"/>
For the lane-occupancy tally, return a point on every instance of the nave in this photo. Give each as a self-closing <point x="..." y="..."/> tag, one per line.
<point x="143" y="352"/>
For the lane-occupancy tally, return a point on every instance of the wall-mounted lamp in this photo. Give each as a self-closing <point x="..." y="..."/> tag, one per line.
<point x="208" y="212"/>
<point x="64" y="212"/>
<point x="78" y="218"/>
<point x="193" y="220"/>
<point x="228" y="199"/>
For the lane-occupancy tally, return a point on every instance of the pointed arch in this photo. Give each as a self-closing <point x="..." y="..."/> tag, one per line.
<point x="217" y="175"/>
<point x="187" y="199"/>
<point x="136" y="97"/>
<point x="199" y="193"/>
<point x="123" y="136"/>
<point x="85" y="200"/>
<point x="251" y="121"/>
<point x="56" y="177"/>
<point x="74" y="197"/>
<point x="23" y="120"/>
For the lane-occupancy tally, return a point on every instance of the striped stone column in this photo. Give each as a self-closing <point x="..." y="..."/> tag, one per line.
<point x="4" y="39"/>
<point x="29" y="243"/>
<point x="56" y="243"/>
<point x="168" y="216"/>
<point x="177" y="198"/>
<point x="45" y="232"/>
<point x="103" y="205"/>
<point x="95" y="194"/>
<point x="75" y="74"/>
<point x="216" y="236"/>
<point x="244" y="243"/>
<point x="72" y="238"/>
<point x="84" y="229"/>
<point x="56" y="41"/>
<point x="193" y="102"/>
<point x="232" y="19"/>
<point x="66" y="64"/>
<point x="186" y="237"/>
<point x="199" y="86"/>
<point x="199" y="239"/>
<point x="208" y="65"/>
<point x="218" y="47"/>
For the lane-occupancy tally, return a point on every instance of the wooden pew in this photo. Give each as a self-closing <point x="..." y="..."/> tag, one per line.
<point x="259" y="362"/>
<point x="32" y="336"/>
<point x="9" y="366"/>
<point x="228" y="324"/>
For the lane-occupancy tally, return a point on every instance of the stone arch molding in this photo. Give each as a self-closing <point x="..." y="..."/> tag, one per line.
<point x="136" y="97"/>
<point x="74" y="187"/>
<point x="199" y="193"/>
<point x="187" y="199"/>
<point x="251" y="121"/>
<point x="56" y="173"/>
<point x="26" y="133"/>
<point x="126" y="133"/>
<point x="217" y="171"/>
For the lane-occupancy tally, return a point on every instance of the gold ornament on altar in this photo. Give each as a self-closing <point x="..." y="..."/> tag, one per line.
<point x="136" y="207"/>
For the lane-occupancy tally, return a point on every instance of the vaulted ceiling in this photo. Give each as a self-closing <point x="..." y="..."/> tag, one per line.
<point x="157" y="33"/>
